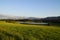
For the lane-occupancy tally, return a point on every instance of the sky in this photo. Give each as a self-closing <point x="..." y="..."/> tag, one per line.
<point x="30" y="8"/>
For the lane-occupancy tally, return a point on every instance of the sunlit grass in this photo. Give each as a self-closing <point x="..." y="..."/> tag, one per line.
<point x="13" y="31"/>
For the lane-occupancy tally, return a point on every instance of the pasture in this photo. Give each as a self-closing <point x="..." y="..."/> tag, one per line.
<point x="13" y="31"/>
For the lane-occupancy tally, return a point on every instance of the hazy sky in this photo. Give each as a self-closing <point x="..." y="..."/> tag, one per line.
<point x="30" y="8"/>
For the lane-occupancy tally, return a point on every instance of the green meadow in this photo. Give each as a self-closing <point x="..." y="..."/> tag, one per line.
<point x="14" y="31"/>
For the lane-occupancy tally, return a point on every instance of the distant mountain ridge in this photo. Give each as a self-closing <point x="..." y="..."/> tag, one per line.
<point x="10" y="17"/>
<point x="3" y="17"/>
<point x="30" y="18"/>
<point x="16" y="17"/>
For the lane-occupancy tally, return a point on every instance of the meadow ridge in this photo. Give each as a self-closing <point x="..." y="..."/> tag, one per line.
<point x="13" y="31"/>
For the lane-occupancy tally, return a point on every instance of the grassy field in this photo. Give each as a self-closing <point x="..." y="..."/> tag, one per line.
<point x="13" y="31"/>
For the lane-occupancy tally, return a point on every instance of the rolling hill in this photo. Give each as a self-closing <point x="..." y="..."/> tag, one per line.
<point x="10" y="31"/>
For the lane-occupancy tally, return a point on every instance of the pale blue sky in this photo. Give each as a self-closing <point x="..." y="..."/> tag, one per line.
<point x="30" y="8"/>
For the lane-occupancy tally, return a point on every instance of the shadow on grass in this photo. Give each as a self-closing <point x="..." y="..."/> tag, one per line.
<point x="7" y="36"/>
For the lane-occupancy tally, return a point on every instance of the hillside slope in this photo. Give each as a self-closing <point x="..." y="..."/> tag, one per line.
<point x="10" y="31"/>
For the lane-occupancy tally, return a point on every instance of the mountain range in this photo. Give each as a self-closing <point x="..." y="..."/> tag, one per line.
<point x="30" y="18"/>
<point x="11" y="17"/>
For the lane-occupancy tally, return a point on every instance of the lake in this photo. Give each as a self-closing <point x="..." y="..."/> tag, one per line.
<point x="31" y="23"/>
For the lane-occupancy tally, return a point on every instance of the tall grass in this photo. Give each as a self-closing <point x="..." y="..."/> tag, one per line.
<point x="13" y="31"/>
